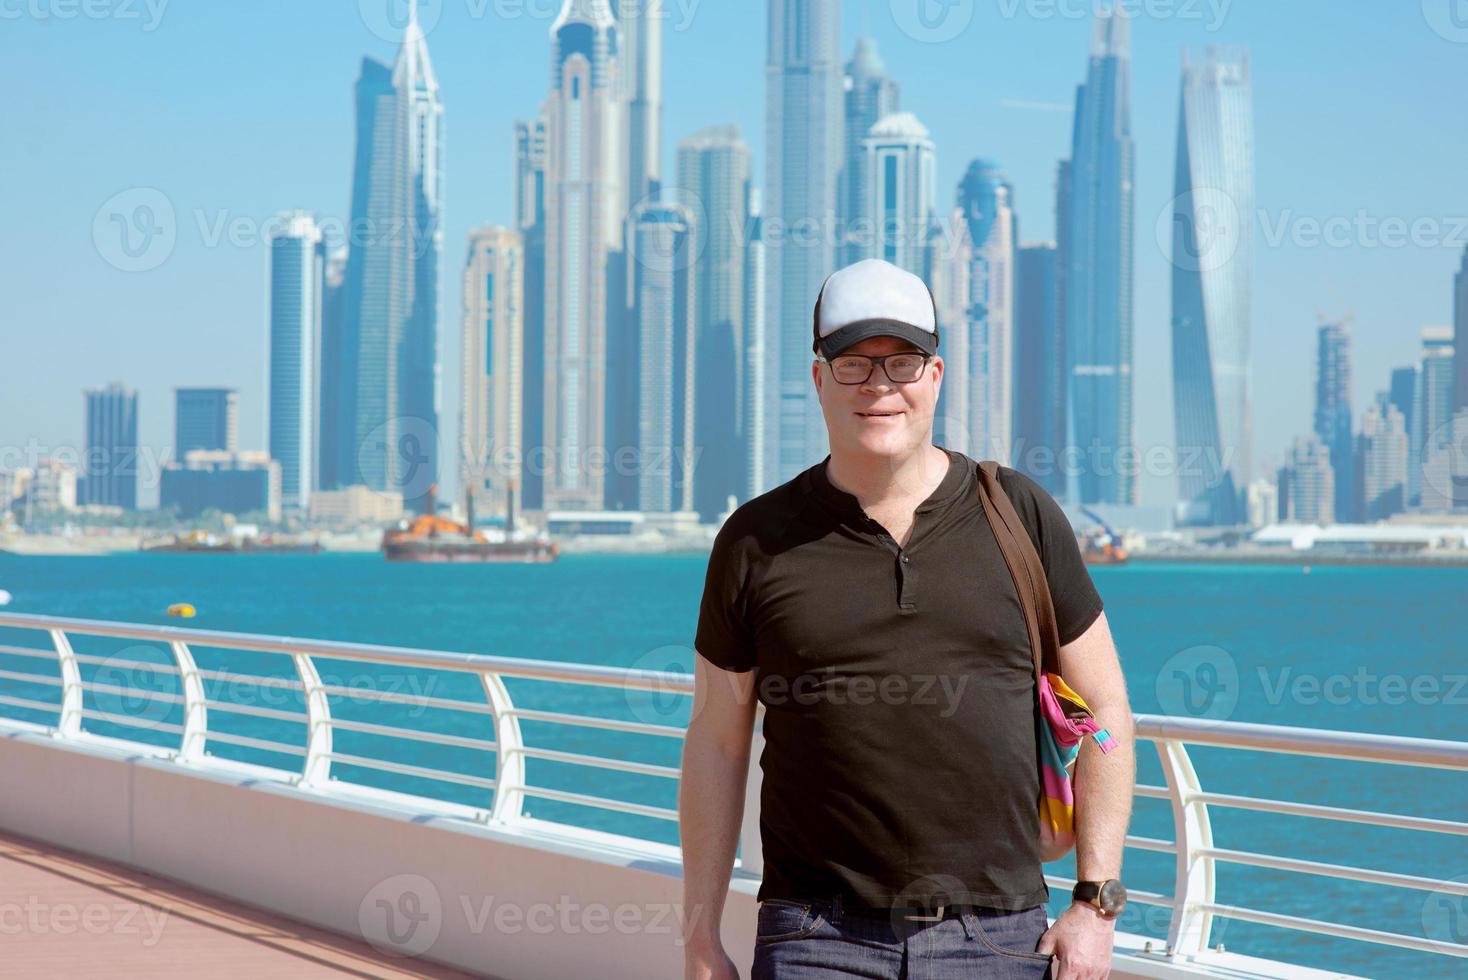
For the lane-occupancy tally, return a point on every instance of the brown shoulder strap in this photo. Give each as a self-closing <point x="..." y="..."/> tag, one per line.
<point x="1025" y="568"/>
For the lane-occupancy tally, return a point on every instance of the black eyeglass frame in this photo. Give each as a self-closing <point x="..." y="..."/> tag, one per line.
<point x="874" y="360"/>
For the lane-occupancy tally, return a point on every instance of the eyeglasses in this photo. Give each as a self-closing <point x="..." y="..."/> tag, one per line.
<point x="901" y="368"/>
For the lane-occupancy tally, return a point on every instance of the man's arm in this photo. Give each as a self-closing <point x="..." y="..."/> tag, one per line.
<point x="1104" y="780"/>
<point x="1081" y="939"/>
<point x="711" y="807"/>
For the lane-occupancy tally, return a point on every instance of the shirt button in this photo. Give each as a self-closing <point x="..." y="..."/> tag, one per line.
<point x="906" y="560"/>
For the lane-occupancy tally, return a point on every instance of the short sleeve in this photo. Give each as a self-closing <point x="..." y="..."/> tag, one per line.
<point x="1072" y="592"/>
<point x="724" y="636"/>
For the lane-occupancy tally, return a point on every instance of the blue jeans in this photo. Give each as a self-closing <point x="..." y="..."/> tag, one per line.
<point x="818" y="940"/>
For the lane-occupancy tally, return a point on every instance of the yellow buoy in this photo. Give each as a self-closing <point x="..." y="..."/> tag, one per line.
<point x="181" y="609"/>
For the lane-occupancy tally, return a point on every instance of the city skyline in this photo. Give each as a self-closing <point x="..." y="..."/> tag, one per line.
<point x="1031" y="212"/>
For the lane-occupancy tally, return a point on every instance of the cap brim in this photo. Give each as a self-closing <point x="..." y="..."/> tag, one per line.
<point x="854" y="333"/>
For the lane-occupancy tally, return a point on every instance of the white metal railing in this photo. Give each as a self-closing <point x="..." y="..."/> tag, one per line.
<point x="1193" y="903"/>
<point x="506" y="791"/>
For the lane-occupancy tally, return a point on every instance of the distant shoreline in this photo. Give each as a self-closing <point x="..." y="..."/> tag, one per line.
<point x="1430" y="560"/>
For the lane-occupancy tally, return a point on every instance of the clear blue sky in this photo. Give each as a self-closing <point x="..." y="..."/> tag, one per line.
<point x="236" y="111"/>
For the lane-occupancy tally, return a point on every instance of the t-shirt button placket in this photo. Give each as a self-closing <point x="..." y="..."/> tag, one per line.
<point x="905" y="577"/>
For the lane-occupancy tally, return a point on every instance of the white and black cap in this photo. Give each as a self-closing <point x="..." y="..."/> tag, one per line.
<point x="873" y="298"/>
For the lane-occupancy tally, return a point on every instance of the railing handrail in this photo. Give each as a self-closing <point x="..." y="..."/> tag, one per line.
<point x="1356" y="746"/>
<point x="1322" y="742"/>
<point x="525" y="668"/>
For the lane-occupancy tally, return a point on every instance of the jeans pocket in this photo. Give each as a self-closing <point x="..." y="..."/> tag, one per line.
<point x="1014" y="934"/>
<point x="781" y="919"/>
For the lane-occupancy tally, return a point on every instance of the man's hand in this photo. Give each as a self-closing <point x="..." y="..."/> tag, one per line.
<point x="708" y="963"/>
<point x="1081" y="941"/>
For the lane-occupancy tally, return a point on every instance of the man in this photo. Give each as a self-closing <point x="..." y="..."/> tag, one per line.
<point x="867" y="606"/>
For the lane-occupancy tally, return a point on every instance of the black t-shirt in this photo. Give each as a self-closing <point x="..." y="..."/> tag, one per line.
<point x="900" y="762"/>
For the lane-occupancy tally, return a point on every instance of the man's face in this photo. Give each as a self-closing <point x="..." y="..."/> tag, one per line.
<point x="879" y="418"/>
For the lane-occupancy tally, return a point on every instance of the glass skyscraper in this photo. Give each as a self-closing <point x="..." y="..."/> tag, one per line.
<point x="1460" y="334"/>
<point x="1098" y="271"/>
<point x="803" y="138"/>
<point x="585" y="208"/>
<point x="297" y="278"/>
<point x="205" y="418"/>
<point x="1039" y="371"/>
<point x="984" y="375"/>
<point x="901" y="174"/>
<point x="1212" y="268"/>
<point x="111" y="465"/>
<point x="869" y="96"/>
<point x="1333" y="421"/>
<point x="490" y="444"/>
<point x="666" y="299"/>
<point x="713" y="177"/>
<point x="390" y="334"/>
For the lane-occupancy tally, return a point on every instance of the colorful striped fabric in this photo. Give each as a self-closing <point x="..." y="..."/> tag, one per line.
<point x="1067" y="723"/>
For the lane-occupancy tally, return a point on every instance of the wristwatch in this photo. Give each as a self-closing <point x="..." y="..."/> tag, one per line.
<point x="1107" y="897"/>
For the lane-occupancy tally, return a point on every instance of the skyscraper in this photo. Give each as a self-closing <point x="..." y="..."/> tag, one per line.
<point x="870" y="95"/>
<point x="490" y="444"/>
<point x="1212" y="293"/>
<point x="901" y="174"/>
<point x="760" y="366"/>
<point x="640" y="32"/>
<point x="584" y="211"/>
<point x="1406" y="395"/>
<point x="1098" y="275"/>
<point x="666" y="302"/>
<point x="803" y="135"/>
<point x="1437" y="390"/>
<point x="1061" y="484"/>
<point x="988" y="313"/>
<point x="713" y="181"/>
<point x="1333" y="420"/>
<point x="392" y="274"/>
<point x="1307" y="484"/>
<point x="1460" y="328"/>
<point x="205" y="418"/>
<point x="331" y="375"/>
<point x="365" y="282"/>
<point x="1039" y="372"/>
<point x="1381" y="462"/>
<point x="111" y="464"/>
<point x="530" y="162"/>
<point x="297" y="277"/>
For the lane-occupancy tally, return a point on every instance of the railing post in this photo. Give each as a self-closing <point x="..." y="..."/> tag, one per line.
<point x="70" y="722"/>
<point x="1188" y="931"/>
<point x="316" y="768"/>
<point x="751" y="848"/>
<point x="509" y="774"/>
<point x="196" y="711"/>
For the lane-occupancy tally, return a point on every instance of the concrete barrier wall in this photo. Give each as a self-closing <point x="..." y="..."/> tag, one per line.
<point x="533" y="902"/>
<point x="499" y="903"/>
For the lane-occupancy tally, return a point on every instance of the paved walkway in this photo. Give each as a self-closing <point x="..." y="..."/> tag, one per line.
<point x="66" y="915"/>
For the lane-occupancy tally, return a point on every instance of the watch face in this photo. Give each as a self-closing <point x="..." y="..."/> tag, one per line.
<point x="1112" y="897"/>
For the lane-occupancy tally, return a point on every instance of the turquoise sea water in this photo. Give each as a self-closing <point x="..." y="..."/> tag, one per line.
<point x="1365" y="649"/>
